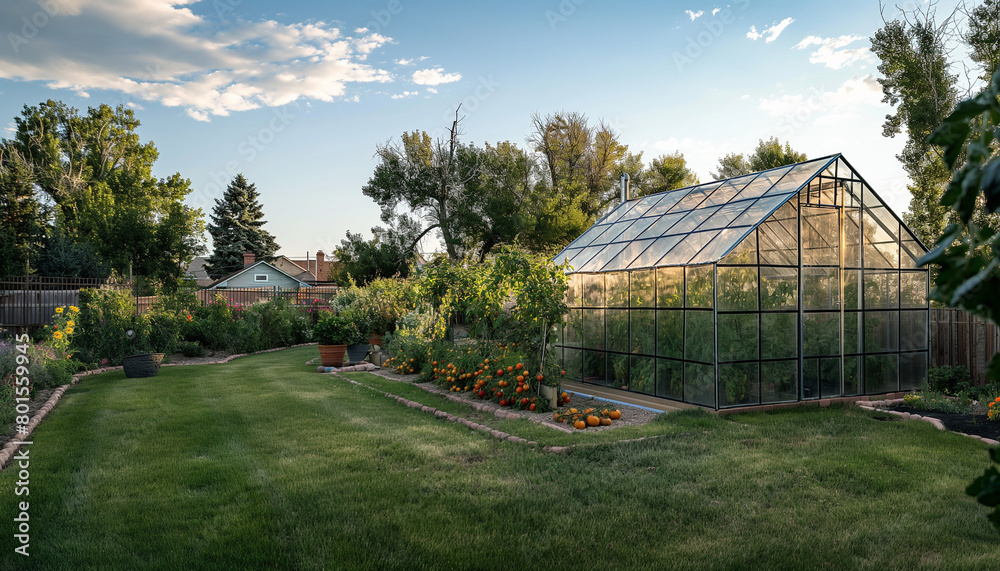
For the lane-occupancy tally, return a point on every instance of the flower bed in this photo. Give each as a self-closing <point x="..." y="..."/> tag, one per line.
<point x="500" y="373"/>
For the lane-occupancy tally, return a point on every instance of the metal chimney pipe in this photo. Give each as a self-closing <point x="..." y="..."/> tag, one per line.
<point x="623" y="182"/>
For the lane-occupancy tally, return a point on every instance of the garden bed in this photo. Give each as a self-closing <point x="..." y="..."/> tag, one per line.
<point x="631" y="415"/>
<point x="967" y="423"/>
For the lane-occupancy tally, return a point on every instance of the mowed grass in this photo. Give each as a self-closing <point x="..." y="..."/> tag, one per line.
<point x="262" y="463"/>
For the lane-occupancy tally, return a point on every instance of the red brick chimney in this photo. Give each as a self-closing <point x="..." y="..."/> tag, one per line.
<point x="248" y="258"/>
<point x="320" y="257"/>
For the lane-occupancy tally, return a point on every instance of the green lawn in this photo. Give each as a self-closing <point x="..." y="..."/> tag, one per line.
<point x="262" y="463"/>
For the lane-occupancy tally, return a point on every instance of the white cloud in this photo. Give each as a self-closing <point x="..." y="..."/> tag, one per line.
<point x="851" y="95"/>
<point x="716" y="11"/>
<point x="404" y="94"/>
<point x="181" y="59"/>
<point x="832" y="51"/>
<point x="694" y="15"/>
<point x="404" y="61"/>
<point x="771" y="33"/>
<point x="434" y="76"/>
<point x="431" y="90"/>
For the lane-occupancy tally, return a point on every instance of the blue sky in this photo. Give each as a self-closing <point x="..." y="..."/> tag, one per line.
<point x="296" y="95"/>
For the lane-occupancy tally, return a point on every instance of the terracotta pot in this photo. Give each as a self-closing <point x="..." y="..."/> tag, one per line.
<point x="332" y="355"/>
<point x="375" y="339"/>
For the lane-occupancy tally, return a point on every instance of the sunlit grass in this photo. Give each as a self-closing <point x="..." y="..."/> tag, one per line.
<point x="262" y="463"/>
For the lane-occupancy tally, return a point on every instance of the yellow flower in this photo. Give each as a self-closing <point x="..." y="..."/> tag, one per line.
<point x="69" y="331"/>
<point x="57" y="335"/>
<point x="59" y="310"/>
<point x="70" y="323"/>
<point x="74" y="309"/>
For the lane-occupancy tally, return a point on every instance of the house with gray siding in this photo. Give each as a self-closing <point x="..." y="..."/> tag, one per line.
<point x="259" y="275"/>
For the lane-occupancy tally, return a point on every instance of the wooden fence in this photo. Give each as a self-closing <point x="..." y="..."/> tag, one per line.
<point x="28" y="303"/>
<point x="959" y="338"/>
<point x="303" y="296"/>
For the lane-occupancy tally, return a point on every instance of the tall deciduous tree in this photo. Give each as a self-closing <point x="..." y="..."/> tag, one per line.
<point x="426" y="180"/>
<point x="731" y="165"/>
<point x="97" y="173"/>
<point x="581" y="162"/>
<point x="579" y="166"/>
<point x="496" y="196"/>
<point x="386" y="255"/>
<point x="666" y="172"/>
<point x="983" y="37"/>
<point x="768" y="154"/>
<point x="238" y="227"/>
<point x="917" y="81"/>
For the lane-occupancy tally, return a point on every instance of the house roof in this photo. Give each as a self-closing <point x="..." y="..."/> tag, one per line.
<point x="321" y="271"/>
<point x="292" y="268"/>
<point x="196" y="270"/>
<point x="701" y="224"/>
<point x="216" y="283"/>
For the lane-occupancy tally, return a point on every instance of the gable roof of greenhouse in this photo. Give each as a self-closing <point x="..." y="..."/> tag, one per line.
<point x="698" y="224"/>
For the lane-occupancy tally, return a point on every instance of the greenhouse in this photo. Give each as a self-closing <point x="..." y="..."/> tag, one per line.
<point x="787" y="285"/>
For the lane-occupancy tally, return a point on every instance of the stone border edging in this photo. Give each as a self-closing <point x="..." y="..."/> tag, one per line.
<point x="12" y="445"/>
<point x="884" y="404"/>
<point x="498" y="434"/>
<point x="363" y="367"/>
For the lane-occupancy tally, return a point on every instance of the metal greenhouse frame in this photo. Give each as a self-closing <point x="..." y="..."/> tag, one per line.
<point x="791" y="284"/>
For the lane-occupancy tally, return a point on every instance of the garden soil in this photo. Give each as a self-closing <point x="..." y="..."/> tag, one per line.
<point x="967" y="423"/>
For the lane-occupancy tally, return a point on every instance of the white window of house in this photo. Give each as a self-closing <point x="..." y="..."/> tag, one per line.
<point x="260" y="277"/>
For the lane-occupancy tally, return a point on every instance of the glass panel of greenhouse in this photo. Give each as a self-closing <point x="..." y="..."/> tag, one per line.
<point x="793" y="284"/>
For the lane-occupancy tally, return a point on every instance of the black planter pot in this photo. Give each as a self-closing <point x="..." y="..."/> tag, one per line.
<point x="357" y="352"/>
<point x="142" y="365"/>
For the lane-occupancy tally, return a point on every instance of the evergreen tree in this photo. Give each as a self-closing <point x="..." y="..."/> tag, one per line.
<point x="22" y="219"/>
<point x="237" y="227"/>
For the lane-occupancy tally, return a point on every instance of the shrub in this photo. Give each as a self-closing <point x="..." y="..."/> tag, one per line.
<point x="191" y="349"/>
<point x="948" y="380"/>
<point x="389" y="300"/>
<point x="231" y="327"/>
<point x="213" y="324"/>
<point x="182" y="302"/>
<point x="335" y="329"/>
<point x="108" y="326"/>
<point x="280" y="325"/>
<point x="164" y="331"/>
